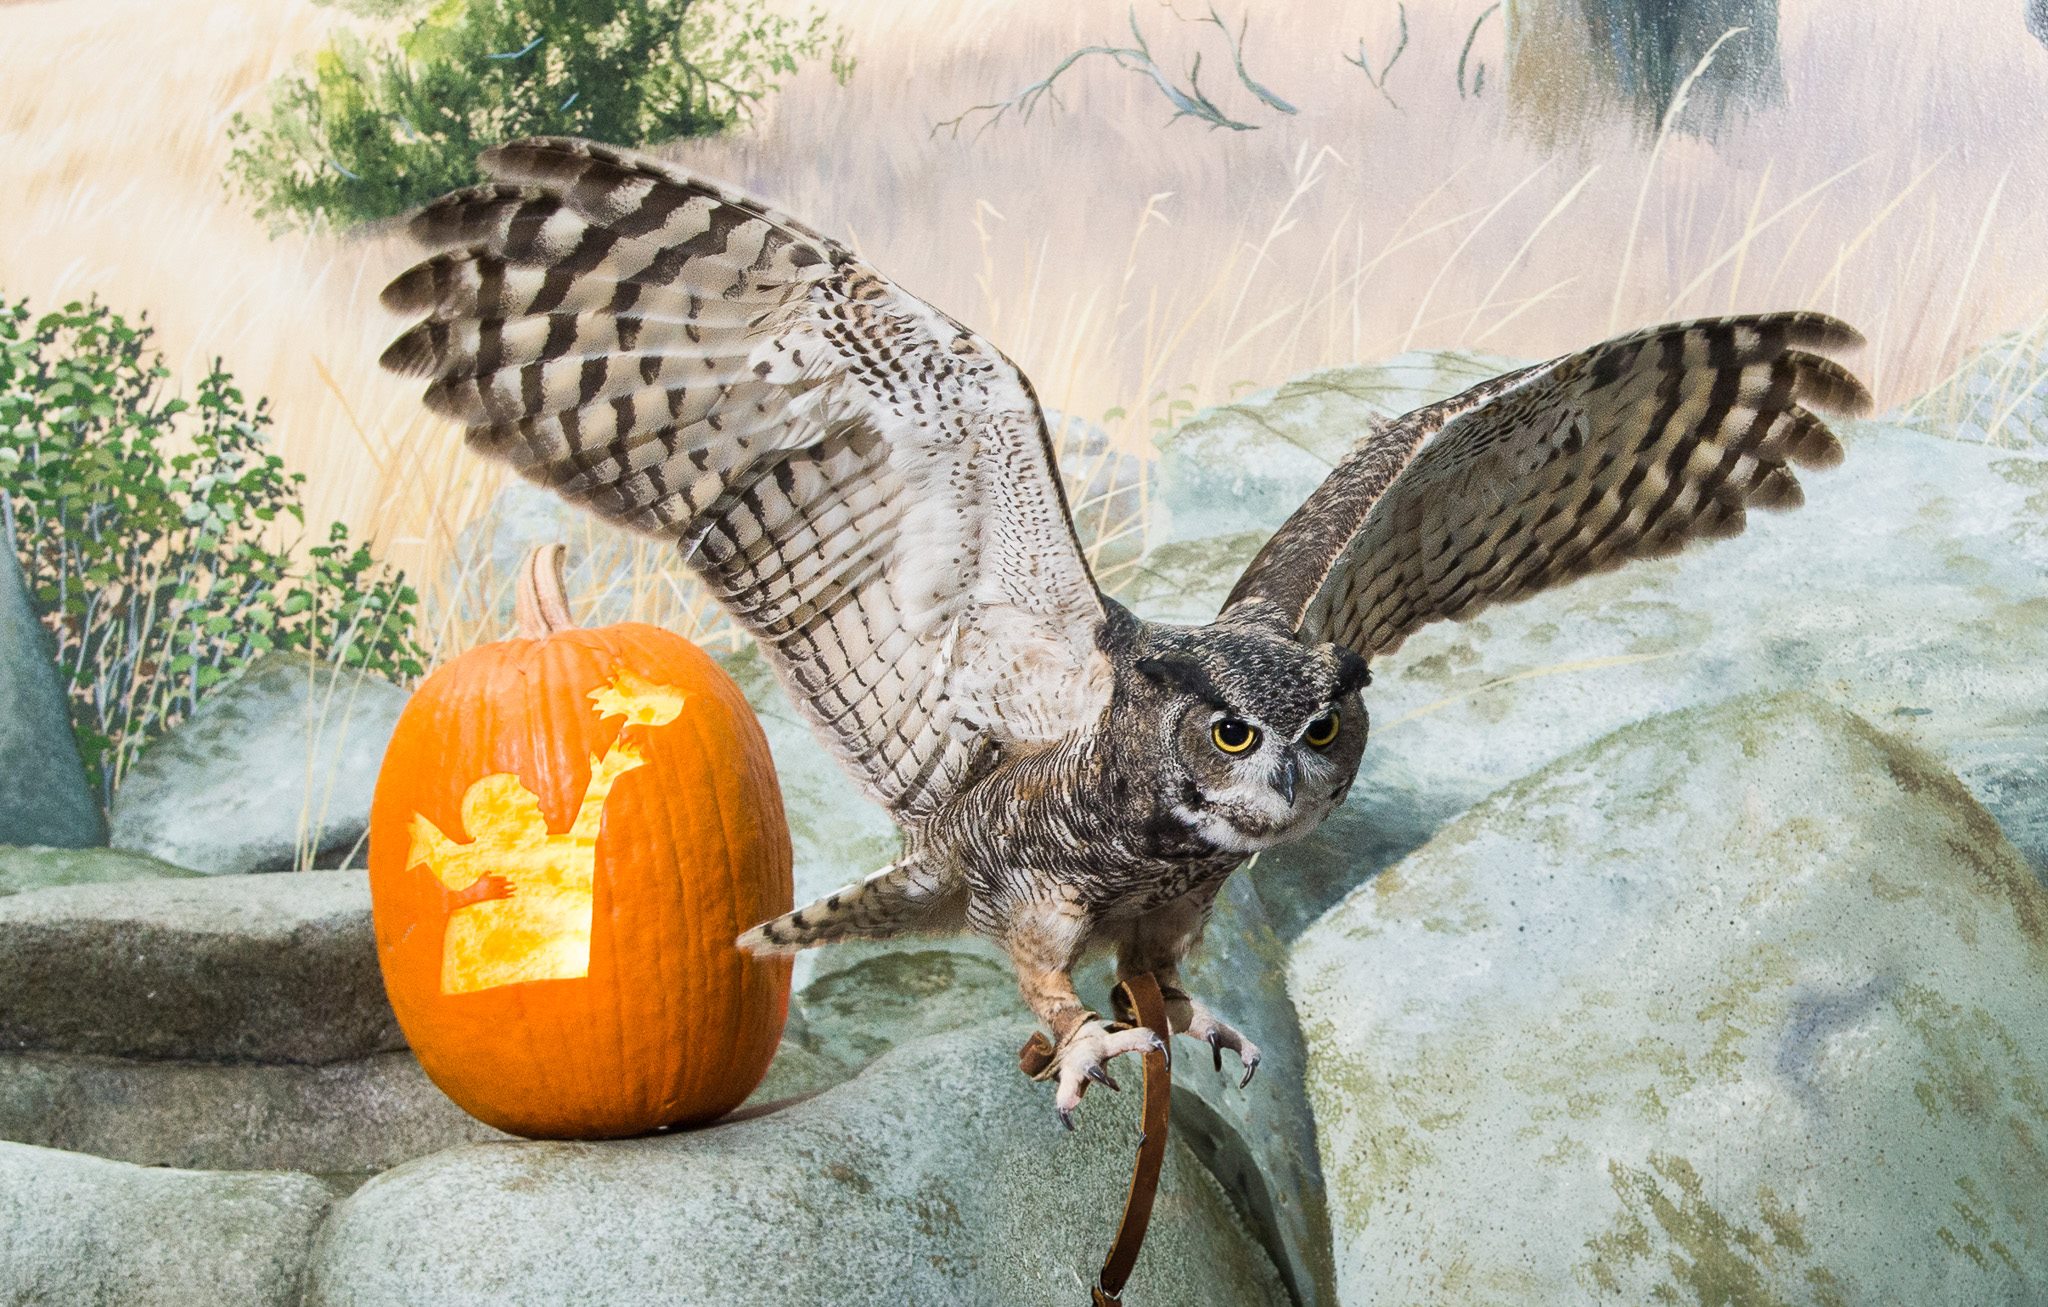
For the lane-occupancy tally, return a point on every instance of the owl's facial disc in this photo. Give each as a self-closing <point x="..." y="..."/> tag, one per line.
<point x="1267" y="733"/>
<point x="1250" y="785"/>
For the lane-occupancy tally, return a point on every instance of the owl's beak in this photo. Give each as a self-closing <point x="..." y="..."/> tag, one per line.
<point x="1290" y="773"/>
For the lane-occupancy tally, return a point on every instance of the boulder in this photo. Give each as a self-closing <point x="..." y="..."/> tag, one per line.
<point x="858" y="1000"/>
<point x="47" y="798"/>
<point x="255" y="968"/>
<point x="273" y="772"/>
<point x="1243" y="467"/>
<point x="1259" y="1141"/>
<point x="855" y="1001"/>
<point x="346" y="1118"/>
<point x="38" y="867"/>
<point x="939" y="1175"/>
<point x="795" y="1073"/>
<point x="862" y="999"/>
<point x="1908" y="589"/>
<point x="84" y="1230"/>
<point x="1740" y="1004"/>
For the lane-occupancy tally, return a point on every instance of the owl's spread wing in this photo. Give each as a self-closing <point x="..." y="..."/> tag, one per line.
<point x="1627" y="450"/>
<point x="864" y="483"/>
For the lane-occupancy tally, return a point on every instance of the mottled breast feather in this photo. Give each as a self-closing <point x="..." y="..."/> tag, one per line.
<point x="864" y="483"/>
<point x="1630" y="449"/>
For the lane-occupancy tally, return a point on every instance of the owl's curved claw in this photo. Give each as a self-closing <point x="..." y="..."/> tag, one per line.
<point x="1079" y="1059"/>
<point x="1219" y="1034"/>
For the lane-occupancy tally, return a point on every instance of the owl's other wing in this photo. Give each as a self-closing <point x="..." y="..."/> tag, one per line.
<point x="1629" y="449"/>
<point x="864" y="483"/>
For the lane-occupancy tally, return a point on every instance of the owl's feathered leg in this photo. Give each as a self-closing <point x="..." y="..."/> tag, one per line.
<point x="1156" y="943"/>
<point x="1044" y="938"/>
<point x="903" y="897"/>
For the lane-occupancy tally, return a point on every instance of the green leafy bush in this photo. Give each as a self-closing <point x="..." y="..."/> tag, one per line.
<point x="150" y="528"/>
<point x="376" y="129"/>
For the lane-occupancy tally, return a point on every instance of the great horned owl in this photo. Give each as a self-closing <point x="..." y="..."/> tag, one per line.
<point x="869" y="488"/>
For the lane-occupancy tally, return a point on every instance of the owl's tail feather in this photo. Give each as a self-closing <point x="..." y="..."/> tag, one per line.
<point x="903" y="897"/>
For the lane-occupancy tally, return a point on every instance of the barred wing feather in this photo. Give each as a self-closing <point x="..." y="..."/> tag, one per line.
<point x="864" y="483"/>
<point x="1630" y="449"/>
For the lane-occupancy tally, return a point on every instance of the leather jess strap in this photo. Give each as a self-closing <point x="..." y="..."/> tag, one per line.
<point x="1139" y="997"/>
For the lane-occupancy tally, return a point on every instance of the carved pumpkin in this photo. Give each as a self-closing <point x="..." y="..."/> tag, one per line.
<point x="569" y="831"/>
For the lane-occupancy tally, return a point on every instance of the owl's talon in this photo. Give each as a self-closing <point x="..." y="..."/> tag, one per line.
<point x="1200" y="1023"/>
<point x="1066" y="1119"/>
<point x="1078" y="1060"/>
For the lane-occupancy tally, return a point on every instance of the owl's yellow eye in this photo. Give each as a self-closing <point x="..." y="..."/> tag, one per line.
<point x="1234" y="736"/>
<point x="1323" y="730"/>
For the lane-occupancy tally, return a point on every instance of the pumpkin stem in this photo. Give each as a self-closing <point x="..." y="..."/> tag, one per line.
<point x="540" y="601"/>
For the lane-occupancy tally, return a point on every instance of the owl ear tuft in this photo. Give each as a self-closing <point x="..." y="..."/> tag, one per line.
<point x="1353" y="672"/>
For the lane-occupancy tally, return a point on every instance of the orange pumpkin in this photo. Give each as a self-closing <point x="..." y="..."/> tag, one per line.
<point x="568" y="833"/>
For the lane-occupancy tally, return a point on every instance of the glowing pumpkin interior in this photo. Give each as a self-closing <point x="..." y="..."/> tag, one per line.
<point x="524" y="895"/>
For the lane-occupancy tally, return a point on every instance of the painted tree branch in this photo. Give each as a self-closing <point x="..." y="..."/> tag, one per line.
<point x="1364" y="61"/>
<point x="1236" y="45"/>
<point x="1188" y="102"/>
<point x="1478" y="73"/>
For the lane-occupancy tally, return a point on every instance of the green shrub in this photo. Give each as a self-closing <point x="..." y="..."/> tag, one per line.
<point x="150" y="528"/>
<point x="374" y="130"/>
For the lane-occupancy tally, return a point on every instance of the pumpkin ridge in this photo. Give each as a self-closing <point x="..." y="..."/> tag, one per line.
<point x="698" y="923"/>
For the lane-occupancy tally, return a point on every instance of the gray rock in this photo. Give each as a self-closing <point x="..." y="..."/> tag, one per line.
<point x="45" y="797"/>
<point x="795" y="1073"/>
<point x="1909" y="589"/>
<point x="855" y="1001"/>
<point x="273" y="772"/>
<point x="353" y="1117"/>
<point x="937" y="1176"/>
<point x="1740" y="1004"/>
<point x="1242" y="467"/>
<point x="83" y="1230"/>
<point x="864" y="1000"/>
<point x="37" y="867"/>
<point x="258" y="968"/>
<point x="1258" y="1141"/>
